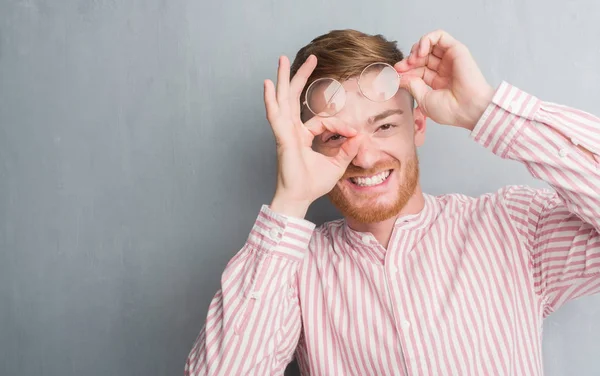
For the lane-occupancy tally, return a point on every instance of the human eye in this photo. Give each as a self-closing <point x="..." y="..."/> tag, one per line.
<point x="333" y="138"/>
<point x="387" y="127"/>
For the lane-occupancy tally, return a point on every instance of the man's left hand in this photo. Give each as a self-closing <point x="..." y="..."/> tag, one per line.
<point x="445" y="80"/>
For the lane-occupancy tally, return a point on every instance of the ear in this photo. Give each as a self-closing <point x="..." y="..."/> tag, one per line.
<point x="420" y="126"/>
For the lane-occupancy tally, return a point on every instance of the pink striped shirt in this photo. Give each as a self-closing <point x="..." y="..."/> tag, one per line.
<point x="462" y="289"/>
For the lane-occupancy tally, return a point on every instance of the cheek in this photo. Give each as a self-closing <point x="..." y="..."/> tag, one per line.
<point x="399" y="145"/>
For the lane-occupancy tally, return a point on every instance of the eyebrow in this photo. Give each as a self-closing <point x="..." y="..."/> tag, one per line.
<point x="384" y="114"/>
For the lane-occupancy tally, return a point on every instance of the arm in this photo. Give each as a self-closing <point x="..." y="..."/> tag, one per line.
<point x="253" y="322"/>
<point x="558" y="144"/>
<point x="561" y="146"/>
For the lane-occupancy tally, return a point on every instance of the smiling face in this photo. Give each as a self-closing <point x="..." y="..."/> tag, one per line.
<point x="385" y="173"/>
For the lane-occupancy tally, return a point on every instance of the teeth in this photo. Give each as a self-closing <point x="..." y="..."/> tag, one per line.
<point x="372" y="180"/>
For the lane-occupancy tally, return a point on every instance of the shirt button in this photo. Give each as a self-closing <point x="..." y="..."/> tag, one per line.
<point x="394" y="269"/>
<point x="405" y="324"/>
<point x="274" y="234"/>
<point x="563" y="153"/>
<point x="575" y="141"/>
<point x="366" y="239"/>
<point x="255" y="295"/>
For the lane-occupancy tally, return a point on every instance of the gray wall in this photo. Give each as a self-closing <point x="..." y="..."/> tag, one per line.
<point x="134" y="157"/>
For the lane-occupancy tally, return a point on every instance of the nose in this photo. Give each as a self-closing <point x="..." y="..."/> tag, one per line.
<point x="367" y="154"/>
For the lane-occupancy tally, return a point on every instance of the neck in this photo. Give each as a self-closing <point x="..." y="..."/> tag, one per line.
<point x="382" y="231"/>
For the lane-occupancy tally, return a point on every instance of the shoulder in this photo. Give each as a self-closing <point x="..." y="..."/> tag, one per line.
<point x="510" y="197"/>
<point x="329" y="231"/>
<point x="327" y="237"/>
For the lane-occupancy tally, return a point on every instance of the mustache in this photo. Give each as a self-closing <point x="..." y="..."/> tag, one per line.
<point x="354" y="171"/>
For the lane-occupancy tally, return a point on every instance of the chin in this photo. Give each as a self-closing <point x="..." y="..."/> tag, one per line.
<point x="370" y="197"/>
<point x="372" y="209"/>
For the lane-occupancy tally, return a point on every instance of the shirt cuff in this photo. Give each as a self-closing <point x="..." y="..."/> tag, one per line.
<point x="503" y="119"/>
<point x="281" y="235"/>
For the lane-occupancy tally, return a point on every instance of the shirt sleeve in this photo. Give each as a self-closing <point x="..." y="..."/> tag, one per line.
<point x="253" y="322"/>
<point x="559" y="227"/>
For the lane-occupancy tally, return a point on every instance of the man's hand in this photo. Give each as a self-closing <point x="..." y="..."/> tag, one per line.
<point x="460" y="93"/>
<point x="303" y="175"/>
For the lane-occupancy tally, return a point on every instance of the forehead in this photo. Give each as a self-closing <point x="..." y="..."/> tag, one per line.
<point x="358" y="109"/>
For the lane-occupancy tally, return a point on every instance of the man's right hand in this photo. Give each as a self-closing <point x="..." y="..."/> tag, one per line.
<point x="303" y="175"/>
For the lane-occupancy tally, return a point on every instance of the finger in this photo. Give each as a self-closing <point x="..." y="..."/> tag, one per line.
<point x="424" y="73"/>
<point x="430" y="61"/>
<point x="348" y="151"/>
<point x="433" y="62"/>
<point x="318" y="125"/>
<point x="340" y="128"/>
<point x="416" y="61"/>
<point x="438" y="51"/>
<point x="413" y="48"/>
<point x="436" y="43"/>
<point x="438" y="38"/>
<point x="424" y="46"/>
<point x="402" y="66"/>
<point x="315" y="125"/>
<point x="283" y="80"/>
<point x="416" y="86"/>
<point x="409" y="64"/>
<point x="413" y="53"/>
<point x="405" y="63"/>
<point x="297" y="84"/>
<point x="271" y="106"/>
<point x="299" y="80"/>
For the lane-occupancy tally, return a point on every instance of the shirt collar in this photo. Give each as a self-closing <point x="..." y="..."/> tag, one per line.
<point x="421" y="219"/>
<point x="368" y="246"/>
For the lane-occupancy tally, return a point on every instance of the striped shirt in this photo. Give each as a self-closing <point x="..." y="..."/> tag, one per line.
<point x="462" y="288"/>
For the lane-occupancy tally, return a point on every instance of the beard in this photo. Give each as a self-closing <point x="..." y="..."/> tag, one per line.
<point x="365" y="207"/>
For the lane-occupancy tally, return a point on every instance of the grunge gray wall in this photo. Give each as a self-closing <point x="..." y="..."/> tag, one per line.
<point x="135" y="155"/>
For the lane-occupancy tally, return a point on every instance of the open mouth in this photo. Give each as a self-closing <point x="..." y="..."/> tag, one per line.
<point x="371" y="181"/>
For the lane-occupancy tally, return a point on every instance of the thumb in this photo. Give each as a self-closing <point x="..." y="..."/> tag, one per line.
<point x="416" y="86"/>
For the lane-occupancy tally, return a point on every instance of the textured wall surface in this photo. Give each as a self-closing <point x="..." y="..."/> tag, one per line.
<point x="135" y="155"/>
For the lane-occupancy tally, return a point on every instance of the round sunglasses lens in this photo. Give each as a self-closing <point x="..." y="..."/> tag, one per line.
<point x="325" y="97"/>
<point x="379" y="82"/>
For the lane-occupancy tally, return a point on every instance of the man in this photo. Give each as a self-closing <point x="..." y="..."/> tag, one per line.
<point x="406" y="283"/>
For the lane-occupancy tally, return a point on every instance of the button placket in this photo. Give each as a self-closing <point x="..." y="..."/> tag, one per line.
<point x="403" y="243"/>
<point x="274" y="234"/>
<point x="564" y="152"/>
<point x="255" y="295"/>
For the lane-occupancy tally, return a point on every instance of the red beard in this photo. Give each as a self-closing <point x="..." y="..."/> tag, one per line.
<point x="364" y="207"/>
